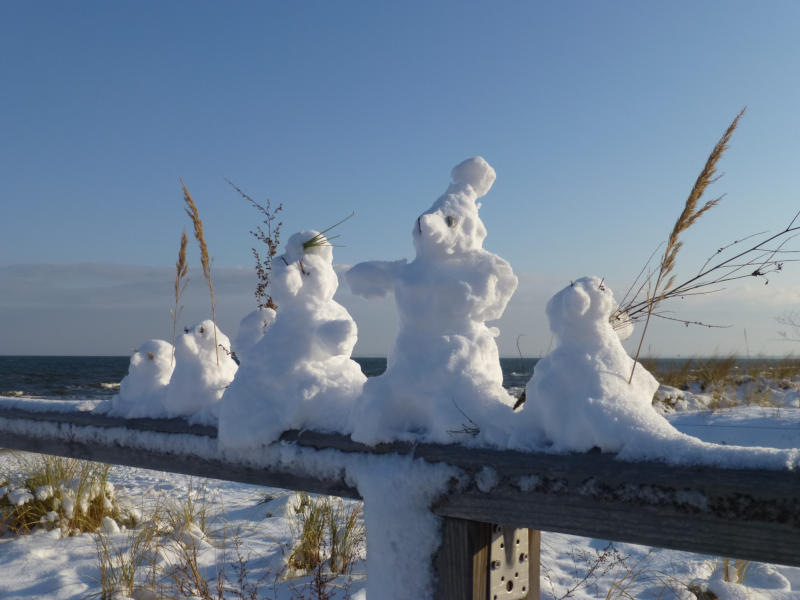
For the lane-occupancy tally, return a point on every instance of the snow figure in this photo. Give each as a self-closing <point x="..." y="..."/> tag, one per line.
<point x="142" y="390"/>
<point x="251" y="330"/>
<point x="443" y="381"/>
<point x="579" y="396"/>
<point x="299" y="374"/>
<point x="198" y="382"/>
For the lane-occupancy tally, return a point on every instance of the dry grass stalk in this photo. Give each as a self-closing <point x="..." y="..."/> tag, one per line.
<point x="687" y="218"/>
<point x="181" y="281"/>
<point x="194" y="215"/>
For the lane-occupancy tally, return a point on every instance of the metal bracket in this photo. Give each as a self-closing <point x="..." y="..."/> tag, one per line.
<point x="509" y="564"/>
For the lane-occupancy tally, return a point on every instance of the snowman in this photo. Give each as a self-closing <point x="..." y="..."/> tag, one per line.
<point x="443" y="381"/>
<point x="142" y="390"/>
<point x="203" y="369"/>
<point x="299" y="374"/>
<point x="579" y="396"/>
<point x="251" y="329"/>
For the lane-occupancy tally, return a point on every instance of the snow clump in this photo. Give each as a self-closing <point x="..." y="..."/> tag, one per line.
<point x="142" y="390"/>
<point x="198" y="382"/>
<point x="579" y="396"/>
<point x="299" y="374"/>
<point x="251" y="330"/>
<point x="443" y="380"/>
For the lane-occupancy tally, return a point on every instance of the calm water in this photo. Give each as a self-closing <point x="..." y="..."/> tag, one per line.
<point x="83" y="377"/>
<point x="98" y="377"/>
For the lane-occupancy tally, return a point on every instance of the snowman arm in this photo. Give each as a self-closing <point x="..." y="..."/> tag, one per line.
<point x="374" y="278"/>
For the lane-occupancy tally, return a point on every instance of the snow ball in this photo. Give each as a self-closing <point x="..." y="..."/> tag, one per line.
<point x="19" y="496"/>
<point x="142" y="390"/>
<point x="109" y="526"/>
<point x="199" y="380"/>
<point x="44" y="492"/>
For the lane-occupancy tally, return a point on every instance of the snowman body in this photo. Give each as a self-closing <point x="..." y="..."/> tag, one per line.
<point x="443" y="381"/>
<point x="579" y="397"/>
<point x="142" y="390"/>
<point x="203" y="370"/>
<point x="299" y="374"/>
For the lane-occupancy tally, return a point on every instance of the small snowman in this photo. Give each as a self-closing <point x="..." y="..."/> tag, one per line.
<point x="142" y="390"/>
<point x="251" y="329"/>
<point x="203" y="369"/>
<point x="299" y="374"/>
<point x="579" y="396"/>
<point x="443" y="381"/>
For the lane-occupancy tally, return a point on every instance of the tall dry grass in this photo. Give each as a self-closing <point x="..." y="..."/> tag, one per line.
<point x="688" y="217"/>
<point x="181" y="281"/>
<point x="194" y="215"/>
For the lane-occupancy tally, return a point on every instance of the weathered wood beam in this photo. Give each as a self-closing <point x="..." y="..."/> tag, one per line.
<point x="742" y="513"/>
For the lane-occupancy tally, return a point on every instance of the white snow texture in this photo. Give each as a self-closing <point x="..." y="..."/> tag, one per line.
<point x="443" y="379"/>
<point x="299" y="374"/>
<point x="197" y="383"/>
<point x="579" y="396"/>
<point x="142" y="390"/>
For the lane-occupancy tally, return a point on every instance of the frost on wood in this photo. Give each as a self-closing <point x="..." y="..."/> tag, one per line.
<point x="443" y="381"/>
<point x="299" y="374"/>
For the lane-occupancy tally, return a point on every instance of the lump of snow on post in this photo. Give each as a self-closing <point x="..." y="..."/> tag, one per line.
<point x="142" y="390"/>
<point x="198" y="381"/>
<point x="579" y="396"/>
<point x="299" y="374"/>
<point x="443" y="381"/>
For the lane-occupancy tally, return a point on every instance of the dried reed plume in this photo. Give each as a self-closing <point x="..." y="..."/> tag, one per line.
<point x="194" y="215"/>
<point x="687" y="218"/>
<point x="181" y="269"/>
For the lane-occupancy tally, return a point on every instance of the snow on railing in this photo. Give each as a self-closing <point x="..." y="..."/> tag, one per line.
<point x="745" y="513"/>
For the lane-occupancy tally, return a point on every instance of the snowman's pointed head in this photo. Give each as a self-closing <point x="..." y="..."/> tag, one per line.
<point x="452" y="225"/>
<point x="580" y="312"/>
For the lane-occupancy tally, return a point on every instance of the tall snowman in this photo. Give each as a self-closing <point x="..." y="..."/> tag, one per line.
<point x="299" y="374"/>
<point x="443" y="380"/>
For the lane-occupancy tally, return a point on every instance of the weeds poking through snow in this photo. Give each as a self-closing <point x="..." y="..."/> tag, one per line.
<point x="46" y="492"/>
<point x="194" y="215"/>
<point x="330" y="538"/>
<point x="181" y="281"/>
<point x="270" y="238"/>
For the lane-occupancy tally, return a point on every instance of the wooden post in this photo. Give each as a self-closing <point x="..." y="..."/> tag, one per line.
<point x="462" y="562"/>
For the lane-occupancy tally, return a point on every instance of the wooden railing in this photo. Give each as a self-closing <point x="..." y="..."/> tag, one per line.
<point x="738" y="513"/>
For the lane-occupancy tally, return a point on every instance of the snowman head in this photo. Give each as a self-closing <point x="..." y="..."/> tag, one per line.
<point x="579" y="313"/>
<point x="452" y="225"/>
<point x="305" y="269"/>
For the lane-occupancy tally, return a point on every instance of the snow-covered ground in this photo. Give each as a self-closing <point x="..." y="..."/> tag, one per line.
<point x="45" y="565"/>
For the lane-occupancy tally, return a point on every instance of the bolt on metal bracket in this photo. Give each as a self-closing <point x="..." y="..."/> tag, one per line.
<point x="509" y="577"/>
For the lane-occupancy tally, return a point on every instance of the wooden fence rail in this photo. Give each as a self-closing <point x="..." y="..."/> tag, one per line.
<point x="739" y="513"/>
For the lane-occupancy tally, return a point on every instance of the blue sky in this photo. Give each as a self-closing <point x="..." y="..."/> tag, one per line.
<point x="597" y="117"/>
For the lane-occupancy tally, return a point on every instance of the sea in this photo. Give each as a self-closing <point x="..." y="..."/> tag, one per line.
<point x="98" y="377"/>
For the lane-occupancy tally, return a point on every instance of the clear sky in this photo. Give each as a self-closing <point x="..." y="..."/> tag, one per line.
<point x="597" y="117"/>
